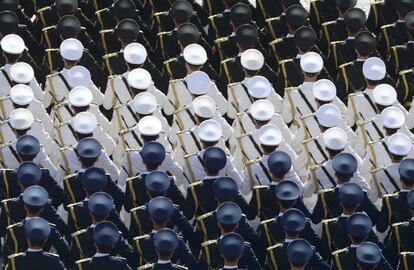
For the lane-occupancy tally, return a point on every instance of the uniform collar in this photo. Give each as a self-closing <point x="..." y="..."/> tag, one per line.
<point x="405" y="190"/>
<point x="345" y="216"/>
<point x="7" y="67"/>
<point x="210" y="177"/>
<point x="289" y="35"/>
<point x="400" y="21"/>
<point x="230" y="267"/>
<point x="34" y="250"/>
<point x="98" y="254"/>
<point x="288" y="240"/>
<point x="92" y="226"/>
<point x="299" y="56"/>
<point x="350" y="38"/>
<point x="354" y="245"/>
<point x="163" y="262"/>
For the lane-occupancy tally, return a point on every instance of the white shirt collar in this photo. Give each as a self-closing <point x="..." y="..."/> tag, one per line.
<point x="230" y="267"/>
<point x="92" y="226"/>
<point x="299" y="56"/>
<point x="350" y="37"/>
<point x="340" y="19"/>
<point x="289" y="35"/>
<point x="410" y="41"/>
<point x="28" y="218"/>
<point x="98" y="254"/>
<point x="354" y="245"/>
<point x="288" y="240"/>
<point x="400" y="21"/>
<point x="163" y="262"/>
<point x="7" y="67"/>
<point x="210" y="177"/>
<point x="405" y="190"/>
<point x="34" y="249"/>
<point x="343" y="215"/>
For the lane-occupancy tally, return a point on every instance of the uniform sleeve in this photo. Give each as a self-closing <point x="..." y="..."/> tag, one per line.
<point x="172" y="167"/>
<point x="105" y="140"/>
<point x="98" y="97"/>
<point x="107" y="164"/>
<point x="317" y="214"/>
<point x="45" y="162"/>
<point x="232" y="172"/>
<point x="37" y="91"/>
<point x="219" y="99"/>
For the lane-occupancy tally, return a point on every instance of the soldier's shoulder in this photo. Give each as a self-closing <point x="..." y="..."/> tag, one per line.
<point x="340" y="252"/>
<point x="146" y="266"/>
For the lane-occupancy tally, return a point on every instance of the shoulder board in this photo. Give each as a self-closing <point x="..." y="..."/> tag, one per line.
<point x="253" y="161"/>
<point x="101" y="10"/>
<point x="40" y="10"/>
<point x="53" y="254"/>
<point x="22" y="26"/>
<point x="134" y="177"/>
<point x="328" y="23"/>
<point x="181" y="266"/>
<point x="13" y="225"/>
<point x="339" y="251"/>
<point x="146" y="266"/>
<point x="325" y="221"/>
<point x="170" y="60"/>
<point x="399" y="224"/>
<point x="375" y="141"/>
<point x="138" y="208"/>
<point x="267" y="221"/>
<point x="326" y="190"/>
<point x="47" y="28"/>
<point x="145" y="236"/>
<point x="221" y="40"/>
<point x="128" y="150"/>
<point x="388" y="26"/>
<point x="204" y="216"/>
<point x="70" y="176"/>
<point x="15" y="255"/>
<point x="109" y="55"/>
<point x="83" y="260"/>
<point x="120" y="258"/>
<point x="275" y="246"/>
<point x="78" y="232"/>
<point x="276" y="41"/>
<point x="195" y="184"/>
<point x="226" y="60"/>
<point x="359" y="93"/>
<point x="272" y="19"/>
<point x="260" y="187"/>
<point x="54" y="74"/>
<point x="163" y="33"/>
<point x="207" y="243"/>
<point x="345" y="64"/>
<point x="406" y="71"/>
<point x="334" y="43"/>
<point x="157" y="14"/>
<point x="390" y="195"/>
<point x="176" y="80"/>
<point x="106" y="31"/>
<point x="284" y="61"/>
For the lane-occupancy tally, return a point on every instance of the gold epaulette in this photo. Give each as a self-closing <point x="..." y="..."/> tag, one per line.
<point x="13" y="225"/>
<point x="207" y="243"/>
<point x="326" y="190"/>
<point x="276" y="41"/>
<point x="40" y="10"/>
<point x="62" y="149"/>
<point x="398" y="47"/>
<point x="390" y="195"/>
<point x="339" y="251"/>
<point x="399" y="224"/>
<point x="15" y="255"/>
<point x="109" y="55"/>
<point x="325" y="221"/>
<point x="253" y="161"/>
<point x="221" y="40"/>
<point x="233" y="84"/>
<point x="267" y="221"/>
<point x="146" y="266"/>
<point x="407" y="253"/>
<point x="274" y="246"/>
<point x="70" y="176"/>
<point x="140" y="237"/>
<point x="124" y="131"/>
<point x="78" y="232"/>
<point x="272" y="19"/>
<point x="54" y="74"/>
<point x="157" y="14"/>
<point x="136" y="177"/>
<point x="169" y="60"/>
<point x="83" y="260"/>
<point x="204" y="216"/>
<point x="337" y="42"/>
<point x="45" y="29"/>
<point x="226" y="60"/>
<point x="403" y="72"/>
<point x="128" y="150"/>
<point x="101" y="10"/>
<point x="163" y="33"/>
<point x="345" y="64"/>
<point x="377" y="169"/>
<point x="138" y="208"/>
<point x="3" y="145"/>
<point x="21" y="25"/>
<point x="284" y="61"/>
<point x="195" y="184"/>
<point x="328" y="23"/>
<point x="62" y="124"/>
<point x="306" y="116"/>
<point x="358" y="93"/>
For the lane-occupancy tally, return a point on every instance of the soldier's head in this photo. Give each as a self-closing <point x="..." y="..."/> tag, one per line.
<point x="262" y="112"/>
<point x="252" y="61"/>
<point x="225" y="189"/>
<point x="403" y="7"/>
<point x="358" y="226"/>
<point x="139" y="80"/>
<point x="270" y="138"/>
<point x="350" y="197"/>
<point x="88" y="151"/>
<point x="311" y="65"/>
<point x="345" y="166"/>
<point x="305" y="39"/>
<point x="12" y="47"/>
<point x="93" y="180"/>
<point x="228" y="216"/>
<point x="231" y="247"/>
<point x="127" y="32"/>
<point x="100" y="205"/>
<point x="409" y="23"/>
<point x="214" y="160"/>
<point x="37" y="231"/>
<point x="293" y="223"/>
<point x="135" y="55"/>
<point x="364" y="44"/>
<point x="80" y="98"/>
<point x="34" y="199"/>
<point x="209" y="132"/>
<point x="12" y="5"/>
<point x="279" y="164"/>
<point x="287" y="193"/>
<point x="229" y="3"/>
<point x="299" y="253"/>
<point x="71" y="51"/>
<point x="157" y="184"/>
<point x="240" y="14"/>
<point x="27" y="147"/>
<point x="374" y="71"/>
<point x="165" y="243"/>
<point x="259" y="88"/>
<point x="160" y="211"/>
<point x="246" y="37"/>
<point x="150" y="128"/>
<point x="399" y="146"/>
<point x="66" y="7"/>
<point x="153" y="154"/>
<point x="181" y="12"/>
<point x="324" y="91"/>
<point x="199" y="84"/>
<point x="28" y="174"/>
<point x="335" y="140"/>
<point x="384" y="96"/>
<point x="195" y="56"/>
<point x="22" y="73"/>
<point x="410" y="202"/>
<point x="9" y="23"/>
<point x="392" y="119"/>
<point x="144" y="104"/>
<point x="328" y="116"/>
<point x="287" y="3"/>
<point x="205" y="108"/>
<point x="20" y="121"/>
<point x="343" y="5"/>
<point x="68" y="27"/>
<point x="83" y="124"/>
<point x="368" y="256"/>
<point x="354" y="19"/>
<point x="296" y="16"/>
<point x="123" y="9"/>
<point x="21" y="96"/>
<point x="406" y="171"/>
<point x="106" y="235"/>
<point x="187" y="33"/>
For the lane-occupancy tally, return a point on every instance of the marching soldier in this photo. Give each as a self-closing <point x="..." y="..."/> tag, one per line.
<point x="231" y="248"/>
<point x="301" y="254"/>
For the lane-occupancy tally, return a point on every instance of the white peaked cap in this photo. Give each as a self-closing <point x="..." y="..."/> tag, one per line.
<point x="399" y="144"/>
<point x="259" y="87"/>
<point x="204" y="106"/>
<point x="324" y="90"/>
<point x="139" y="78"/>
<point x="328" y="115"/>
<point x="21" y="119"/>
<point x="252" y="59"/>
<point x="79" y="76"/>
<point x="270" y="135"/>
<point x="198" y="83"/>
<point x="144" y="103"/>
<point x="311" y="62"/>
<point x="21" y="94"/>
<point x="209" y="131"/>
<point x="149" y="126"/>
<point x="12" y="44"/>
<point x="22" y="73"/>
<point x="135" y="53"/>
<point x="335" y="138"/>
<point x="392" y="117"/>
<point x="374" y="69"/>
<point x="384" y="94"/>
<point x="80" y="96"/>
<point x="71" y="49"/>
<point x="195" y="54"/>
<point x="84" y="123"/>
<point x="262" y="110"/>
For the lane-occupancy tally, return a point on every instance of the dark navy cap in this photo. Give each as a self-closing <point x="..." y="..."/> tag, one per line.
<point x="27" y="145"/>
<point x="406" y="170"/>
<point x="289" y="3"/>
<point x="365" y="42"/>
<point x="355" y="18"/>
<point x="181" y="11"/>
<point x="225" y="189"/>
<point x="358" y="225"/>
<point x="100" y="204"/>
<point x="106" y="234"/>
<point x="9" y="5"/>
<point x="127" y="30"/>
<point x="166" y="241"/>
<point x="123" y="9"/>
<point x="214" y="159"/>
<point x="157" y="182"/>
<point x="410" y="199"/>
<point x="404" y="6"/>
<point x="345" y="4"/>
<point x="28" y="173"/>
<point x="287" y="191"/>
<point x="240" y="14"/>
<point x="68" y="26"/>
<point x="65" y="7"/>
<point x="293" y="221"/>
<point x="231" y="245"/>
<point x="9" y="22"/>
<point x="344" y="164"/>
<point x="279" y="163"/>
<point x="350" y="194"/>
<point x="94" y="179"/>
<point x="296" y="16"/>
<point x="228" y="213"/>
<point x="299" y="251"/>
<point x="88" y="149"/>
<point x="35" y="196"/>
<point x="187" y="34"/>
<point x="160" y="208"/>
<point x="409" y="21"/>
<point x="153" y="153"/>
<point x="368" y="253"/>
<point x="305" y="37"/>
<point x="37" y="229"/>
<point x="246" y="35"/>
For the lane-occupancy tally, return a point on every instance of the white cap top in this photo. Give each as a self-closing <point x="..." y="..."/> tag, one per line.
<point x="384" y="94"/>
<point x="80" y="96"/>
<point x="209" y="131"/>
<point x="311" y="62"/>
<point x="259" y="87"/>
<point x="198" y="83"/>
<point x="135" y="53"/>
<point x="270" y="135"/>
<point x="204" y="106"/>
<point x="328" y="115"/>
<point x="262" y="110"/>
<point x="22" y="73"/>
<point x="79" y="76"/>
<point x="149" y="126"/>
<point x="21" y="94"/>
<point x="335" y="138"/>
<point x="71" y="49"/>
<point x="399" y="144"/>
<point x="139" y="78"/>
<point x="12" y="44"/>
<point x="21" y="119"/>
<point x="324" y="90"/>
<point x="374" y="69"/>
<point x="144" y="103"/>
<point x="252" y="59"/>
<point x="195" y="54"/>
<point x="84" y="123"/>
<point x="392" y="117"/>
